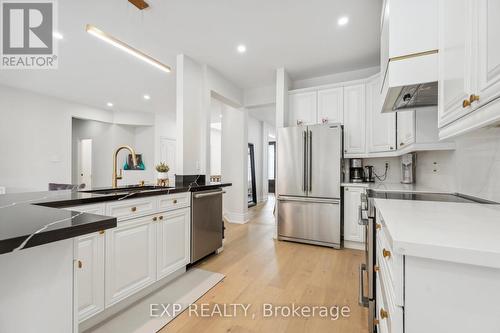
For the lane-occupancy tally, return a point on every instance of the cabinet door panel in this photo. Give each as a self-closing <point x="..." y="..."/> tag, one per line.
<point x="173" y="236"/>
<point x="405" y="128"/>
<point x="455" y="59"/>
<point x="331" y="106"/>
<point x="130" y="258"/>
<point x="90" y="275"/>
<point x="354" y="119"/>
<point x="352" y="200"/>
<point x="488" y="49"/>
<point x="302" y="108"/>
<point x="381" y="127"/>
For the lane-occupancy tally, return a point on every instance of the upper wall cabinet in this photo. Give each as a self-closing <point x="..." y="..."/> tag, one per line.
<point x="469" y="65"/>
<point x="380" y="127"/>
<point x="354" y="119"/>
<point x="302" y="108"/>
<point x="331" y="105"/>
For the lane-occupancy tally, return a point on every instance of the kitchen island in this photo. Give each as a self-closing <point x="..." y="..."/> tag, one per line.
<point x="55" y="249"/>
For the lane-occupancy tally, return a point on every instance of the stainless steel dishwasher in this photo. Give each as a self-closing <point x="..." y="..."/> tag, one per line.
<point x="206" y="223"/>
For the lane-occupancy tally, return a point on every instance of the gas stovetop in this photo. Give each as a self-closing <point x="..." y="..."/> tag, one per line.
<point x="426" y="197"/>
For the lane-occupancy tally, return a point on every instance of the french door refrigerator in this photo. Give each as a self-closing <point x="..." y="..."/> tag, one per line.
<point x="309" y="162"/>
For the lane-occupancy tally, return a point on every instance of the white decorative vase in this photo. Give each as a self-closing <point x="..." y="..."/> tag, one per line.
<point x="162" y="175"/>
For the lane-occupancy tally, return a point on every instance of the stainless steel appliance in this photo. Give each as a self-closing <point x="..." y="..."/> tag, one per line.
<point x="356" y="174"/>
<point x="367" y="218"/>
<point x="369" y="174"/>
<point x="408" y="164"/>
<point x="206" y="218"/>
<point x="309" y="163"/>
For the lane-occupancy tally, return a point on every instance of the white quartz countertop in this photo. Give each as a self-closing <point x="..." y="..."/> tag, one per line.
<point x="396" y="187"/>
<point x="467" y="233"/>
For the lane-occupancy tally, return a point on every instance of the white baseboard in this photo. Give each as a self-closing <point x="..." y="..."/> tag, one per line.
<point x="354" y="245"/>
<point x="239" y="218"/>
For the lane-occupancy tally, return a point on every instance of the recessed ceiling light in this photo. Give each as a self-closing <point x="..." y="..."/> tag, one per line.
<point x="57" y="35"/>
<point x="343" y="20"/>
<point x="147" y="97"/>
<point x="109" y="104"/>
<point x="241" y="48"/>
<point x="125" y="47"/>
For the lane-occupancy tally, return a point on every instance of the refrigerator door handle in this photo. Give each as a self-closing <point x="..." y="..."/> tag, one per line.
<point x="304" y="176"/>
<point x="310" y="161"/>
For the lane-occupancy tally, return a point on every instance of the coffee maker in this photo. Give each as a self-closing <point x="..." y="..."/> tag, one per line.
<point x="356" y="170"/>
<point x="408" y="163"/>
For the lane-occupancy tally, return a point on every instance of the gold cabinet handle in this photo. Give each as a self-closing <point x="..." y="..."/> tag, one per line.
<point x="161" y="217"/>
<point x="392" y="148"/>
<point x="401" y="144"/>
<point x="473" y="98"/>
<point x="175" y="201"/>
<point x="465" y="103"/>
<point x="386" y="253"/>
<point x="376" y="322"/>
<point x="376" y="269"/>
<point x="133" y="209"/>
<point x="101" y="232"/>
<point x="384" y="314"/>
<point x="80" y="264"/>
<point x="155" y="219"/>
<point x="378" y="226"/>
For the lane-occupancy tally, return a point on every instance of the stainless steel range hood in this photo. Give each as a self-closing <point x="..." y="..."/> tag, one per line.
<point x="413" y="96"/>
<point x="410" y="82"/>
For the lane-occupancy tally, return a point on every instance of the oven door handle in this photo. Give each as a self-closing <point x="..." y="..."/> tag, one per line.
<point x="361" y="220"/>
<point x="363" y="300"/>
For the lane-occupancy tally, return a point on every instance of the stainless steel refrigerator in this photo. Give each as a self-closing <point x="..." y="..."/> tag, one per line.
<point x="309" y="162"/>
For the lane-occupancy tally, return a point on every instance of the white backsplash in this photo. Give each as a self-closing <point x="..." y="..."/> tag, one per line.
<point x="472" y="169"/>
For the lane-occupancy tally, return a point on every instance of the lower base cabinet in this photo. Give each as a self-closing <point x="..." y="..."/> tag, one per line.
<point x="130" y="258"/>
<point x="90" y="275"/>
<point x="173" y="250"/>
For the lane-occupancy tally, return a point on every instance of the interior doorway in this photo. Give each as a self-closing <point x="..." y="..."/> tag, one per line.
<point x="85" y="162"/>
<point x="271" y="166"/>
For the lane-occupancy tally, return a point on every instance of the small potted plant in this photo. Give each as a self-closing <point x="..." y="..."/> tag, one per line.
<point x="162" y="170"/>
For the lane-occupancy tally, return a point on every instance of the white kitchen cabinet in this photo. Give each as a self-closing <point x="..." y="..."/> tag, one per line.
<point x="130" y="258"/>
<point x="173" y="241"/>
<point x="488" y="52"/>
<point x="302" y="108"/>
<point x="469" y="66"/>
<point x="354" y="119"/>
<point x="455" y="59"/>
<point x="352" y="201"/>
<point x="380" y="127"/>
<point x="405" y="128"/>
<point x="331" y="105"/>
<point x="90" y="275"/>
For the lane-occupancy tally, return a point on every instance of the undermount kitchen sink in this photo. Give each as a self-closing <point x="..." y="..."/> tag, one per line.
<point x="127" y="190"/>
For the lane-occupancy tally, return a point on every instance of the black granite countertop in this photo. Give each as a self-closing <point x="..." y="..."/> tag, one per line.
<point x="36" y="218"/>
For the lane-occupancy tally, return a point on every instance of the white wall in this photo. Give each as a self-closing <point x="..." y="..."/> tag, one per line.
<point x="471" y="169"/>
<point x="234" y="163"/>
<point x="35" y="131"/>
<point x="215" y="151"/>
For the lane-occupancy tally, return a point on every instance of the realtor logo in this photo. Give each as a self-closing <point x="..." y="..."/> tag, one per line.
<point x="27" y="35"/>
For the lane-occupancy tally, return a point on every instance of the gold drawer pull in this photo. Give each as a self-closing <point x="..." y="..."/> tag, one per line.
<point x="376" y="269"/>
<point x="175" y="201"/>
<point x="386" y="254"/>
<point x="473" y="98"/>
<point x="155" y="219"/>
<point x="133" y="209"/>
<point x="378" y="226"/>
<point x="465" y="103"/>
<point x="161" y="217"/>
<point x="80" y="264"/>
<point x="101" y="232"/>
<point x="384" y="314"/>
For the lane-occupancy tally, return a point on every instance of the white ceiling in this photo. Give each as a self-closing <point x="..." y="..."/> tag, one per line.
<point x="302" y="36"/>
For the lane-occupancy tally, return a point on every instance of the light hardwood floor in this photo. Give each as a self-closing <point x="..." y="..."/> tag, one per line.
<point x="262" y="270"/>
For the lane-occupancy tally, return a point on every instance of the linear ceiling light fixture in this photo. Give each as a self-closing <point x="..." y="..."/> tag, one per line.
<point x="125" y="47"/>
